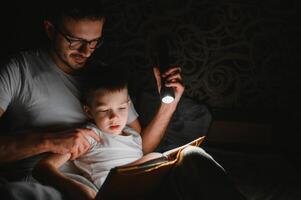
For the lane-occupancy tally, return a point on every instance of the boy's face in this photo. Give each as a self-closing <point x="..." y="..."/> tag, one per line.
<point x="109" y="110"/>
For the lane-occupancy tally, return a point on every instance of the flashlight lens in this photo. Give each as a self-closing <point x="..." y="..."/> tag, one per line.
<point x="167" y="99"/>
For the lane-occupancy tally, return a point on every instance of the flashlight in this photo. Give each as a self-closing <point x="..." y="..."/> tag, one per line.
<point x="167" y="93"/>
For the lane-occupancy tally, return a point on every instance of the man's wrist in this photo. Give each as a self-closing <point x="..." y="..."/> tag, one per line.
<point x="45" y="143"/>
<point x="168" y="108"/>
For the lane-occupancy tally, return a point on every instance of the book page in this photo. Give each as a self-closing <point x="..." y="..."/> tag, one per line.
<point x="149" y="158"/>
<point x="156" y="158"/>
<point x="171" y="153"/>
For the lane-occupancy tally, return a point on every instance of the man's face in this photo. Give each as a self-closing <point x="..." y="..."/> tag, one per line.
<point x="109" y="110"/>
<point x="79" y="32"/>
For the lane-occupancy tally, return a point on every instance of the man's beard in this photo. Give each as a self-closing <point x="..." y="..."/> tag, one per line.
<point x="71" y="66"/>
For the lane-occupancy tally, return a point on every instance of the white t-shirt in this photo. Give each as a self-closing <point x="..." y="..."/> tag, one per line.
<point x="37" y="95"/>
<point x="114" y="150"/>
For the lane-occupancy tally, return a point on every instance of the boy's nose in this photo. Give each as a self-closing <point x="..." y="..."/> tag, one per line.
<point x="113" y="115"/>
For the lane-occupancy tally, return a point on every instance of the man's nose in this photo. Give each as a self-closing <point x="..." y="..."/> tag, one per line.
<point x="85" y="50"/>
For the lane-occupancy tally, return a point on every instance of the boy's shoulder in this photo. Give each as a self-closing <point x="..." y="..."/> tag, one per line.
<point x="92" y="126"/>
<point x="129" y="130"/>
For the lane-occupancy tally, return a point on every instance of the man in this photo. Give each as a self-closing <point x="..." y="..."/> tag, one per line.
<point x="40" y="92"/>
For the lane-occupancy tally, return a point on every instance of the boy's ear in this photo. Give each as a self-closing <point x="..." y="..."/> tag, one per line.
<point x="87" y="111"/>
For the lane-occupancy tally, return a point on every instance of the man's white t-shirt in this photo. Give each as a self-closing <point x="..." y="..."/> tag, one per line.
<point x="113" y="150"/>
<point x="37" y="95"/>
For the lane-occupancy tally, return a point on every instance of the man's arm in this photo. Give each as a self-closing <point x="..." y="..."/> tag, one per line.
<point x="47" y="172"/>
<point x="17" y="147"/>
<point x="154" y="131"/>
<point x="135" y="125"/>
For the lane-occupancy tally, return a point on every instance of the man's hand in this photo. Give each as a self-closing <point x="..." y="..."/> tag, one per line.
<point x="153" y="133"/>
<point x="173" y="79"/>
<point x="74" y="142"/>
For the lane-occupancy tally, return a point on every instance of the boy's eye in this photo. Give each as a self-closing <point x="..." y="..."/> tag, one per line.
<point x="103" y="111"/>
<point x="122" y="108"/>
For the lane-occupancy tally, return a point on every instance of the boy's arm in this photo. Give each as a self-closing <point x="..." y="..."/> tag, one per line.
<point x="47" y="172"/>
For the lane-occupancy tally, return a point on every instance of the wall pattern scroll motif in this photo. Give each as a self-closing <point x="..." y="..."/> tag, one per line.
<point x="234" y="54"/>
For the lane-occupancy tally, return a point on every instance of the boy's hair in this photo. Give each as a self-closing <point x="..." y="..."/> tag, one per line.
<point x="106" y="78"/>
<point x="93" y="10"/>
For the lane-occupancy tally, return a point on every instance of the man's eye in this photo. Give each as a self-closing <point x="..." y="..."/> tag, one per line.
<point x="75" y="41"/>
<point x="122" y="108"/>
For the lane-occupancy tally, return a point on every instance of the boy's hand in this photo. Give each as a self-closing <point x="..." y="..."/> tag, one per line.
<point x="173" y="79"/>
<point x="74" y="142"/>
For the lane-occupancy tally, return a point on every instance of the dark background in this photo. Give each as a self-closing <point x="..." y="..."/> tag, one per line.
<point x="239" y="57"/>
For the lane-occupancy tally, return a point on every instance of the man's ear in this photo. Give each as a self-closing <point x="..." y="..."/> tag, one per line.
<point x="87" y="111"/>
<point x="49" y="29"/>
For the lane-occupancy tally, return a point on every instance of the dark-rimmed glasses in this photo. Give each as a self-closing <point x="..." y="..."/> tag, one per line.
<point x="75" y="44"/>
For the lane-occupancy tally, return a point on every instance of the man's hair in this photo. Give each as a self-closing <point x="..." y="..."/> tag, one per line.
<point x="97" y="77"/>
<point x="93" y="10"/>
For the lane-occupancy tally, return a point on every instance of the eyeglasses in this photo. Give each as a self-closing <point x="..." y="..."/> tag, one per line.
<point x="75" y="44"/>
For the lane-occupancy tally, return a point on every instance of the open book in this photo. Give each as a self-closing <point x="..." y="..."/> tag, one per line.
<point x="143" y="176"/>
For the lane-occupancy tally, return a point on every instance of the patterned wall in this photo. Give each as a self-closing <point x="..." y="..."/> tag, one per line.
<point x="234" y="53"/>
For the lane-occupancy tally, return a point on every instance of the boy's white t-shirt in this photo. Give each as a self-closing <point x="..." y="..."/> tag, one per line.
<point x="114" y="150"/>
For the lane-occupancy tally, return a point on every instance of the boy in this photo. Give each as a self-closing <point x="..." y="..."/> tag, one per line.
<point x="106" y="103"/>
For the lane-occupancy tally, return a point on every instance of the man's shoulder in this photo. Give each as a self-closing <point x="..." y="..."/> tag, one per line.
<point x="31" y="55"/>
<point x="32" y="52"/>
<point x="22" y="57"/>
